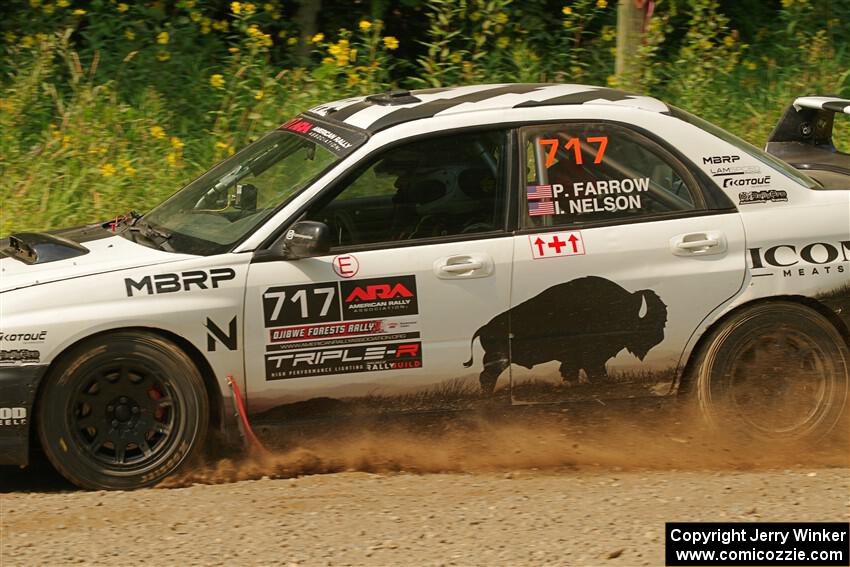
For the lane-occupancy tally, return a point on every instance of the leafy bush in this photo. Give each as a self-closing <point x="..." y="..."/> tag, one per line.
<point x="107" y="106"/>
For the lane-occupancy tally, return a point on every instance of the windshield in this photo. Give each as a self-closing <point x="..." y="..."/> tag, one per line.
<point x="747" y="148"/>
<point x="232" y="199"/>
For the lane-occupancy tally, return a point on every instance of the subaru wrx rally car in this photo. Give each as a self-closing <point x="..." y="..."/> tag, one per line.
<point x="440" y="249"/>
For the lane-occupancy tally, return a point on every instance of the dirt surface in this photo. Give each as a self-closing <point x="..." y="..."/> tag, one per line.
<point x="476" y="494"/>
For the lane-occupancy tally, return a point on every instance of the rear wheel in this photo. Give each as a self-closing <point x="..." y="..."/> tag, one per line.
<point x="774" y="371"/>
<point x="123" y="411"/>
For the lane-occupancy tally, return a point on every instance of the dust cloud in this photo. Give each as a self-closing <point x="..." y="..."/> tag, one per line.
<point x="531" y="441"/>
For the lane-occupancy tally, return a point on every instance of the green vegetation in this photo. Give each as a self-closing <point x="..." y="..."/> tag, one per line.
<point x="107" y="106"/>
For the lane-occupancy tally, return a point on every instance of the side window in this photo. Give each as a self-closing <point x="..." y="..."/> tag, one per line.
<point x="444" y="186"/>
<point x="581" y="173"/>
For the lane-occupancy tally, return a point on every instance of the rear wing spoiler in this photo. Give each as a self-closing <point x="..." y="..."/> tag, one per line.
<point x="803" y="138"/>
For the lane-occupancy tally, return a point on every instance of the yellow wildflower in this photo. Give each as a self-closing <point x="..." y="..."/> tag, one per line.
<point x="172" y="158"/>
<point x="35" y="3"/>
<point x="10" y="37"/>
<point x="107" y="170"/>
<point x="567" y="10"/>
<point x="475" y="16"/>
<point x="27" y="42"/>
<point x="728" y="41"/>
<point x="249" y="8"/>
<point x="217" y="81"/>
<point x="328" y="60"/>
<point x="127" y="168"/>
<point x="750" y="65"/>
<point x="317" y="38"/>
<point x="130" y="35"/>
<point x="190" y="4"/>
<point x="281" y="34"/>
<point x="221" y="25"/>
<point x="364" y="25"/>
<point x="48" y="8"/>
<point x="259" y="95"/>
<point x="195" y="16"/>
<point x="236" y="7"/>
<point x="503" y="42"/>
<point x="353" y="79"/>
<point x="612" y="80"/>
<point x="162" y="38"/>
<point x="501" y="18"/>
<point x="233" y="49"/>
<point x="163" y="56"/>
<point x="176" y="142"/>
<point x="352" y="54"/>
<point x="63" y="3"/>
<point x="456" y="57"/>
<point x="391" y="42"/>
<point x="601" y="4"/>
<point x="157" y="132"/>
<point x="79" y="12"/>
<point x="205" y="28"/>
<point x="268" y="7"/>
<point x="122" y="7"/>
<point x="292" y="41"/>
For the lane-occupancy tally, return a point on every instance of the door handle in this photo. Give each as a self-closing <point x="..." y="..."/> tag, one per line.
<point x="464" y="266"/>
<point x="461" y="267"/>
<point x="695" y="244"/>
<point x="699" y="244"/>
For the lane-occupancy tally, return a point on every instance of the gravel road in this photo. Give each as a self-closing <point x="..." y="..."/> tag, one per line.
<point x="502" y="496"/>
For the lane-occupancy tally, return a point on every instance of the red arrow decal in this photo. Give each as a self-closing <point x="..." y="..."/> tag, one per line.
<point x="539" y="243"/>
<point x="573" y="241"/>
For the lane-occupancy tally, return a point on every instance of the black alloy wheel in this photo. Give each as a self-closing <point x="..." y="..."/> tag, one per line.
<point x="123" y="411"/>
<point x="774" y="371"/>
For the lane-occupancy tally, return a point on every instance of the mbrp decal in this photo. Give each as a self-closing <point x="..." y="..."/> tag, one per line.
<point x="344" y="360"/>
<point x="13" y="416"/>
<point x="20" y="355"/>
<point x="771" y="196"/>
<point x="581" y="323"/>
<point x="183" y="281"/>
<point x="794" y="260"/>
<point x="379" y="297"/>
<point x="29" y="337"/>
<point x="717" y="160"/>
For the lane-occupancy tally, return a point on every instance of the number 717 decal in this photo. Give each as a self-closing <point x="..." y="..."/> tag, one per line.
<point x="574" y="144"/>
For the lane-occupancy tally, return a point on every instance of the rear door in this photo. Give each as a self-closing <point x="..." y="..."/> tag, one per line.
<point x="382" y="324"/>
<point x="618" y="259"/>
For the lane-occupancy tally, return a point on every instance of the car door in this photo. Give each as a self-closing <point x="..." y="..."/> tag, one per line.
<point x="382" y="323"/>
<point x="622" y="251"/>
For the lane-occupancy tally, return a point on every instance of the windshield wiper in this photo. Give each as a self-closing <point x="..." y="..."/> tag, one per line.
<point x="146" y="230"/>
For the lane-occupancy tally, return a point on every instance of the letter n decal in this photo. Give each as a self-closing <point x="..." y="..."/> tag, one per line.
<point x="215" y="333"/>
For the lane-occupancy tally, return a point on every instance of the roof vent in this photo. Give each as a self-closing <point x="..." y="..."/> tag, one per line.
<point x="393" y="98"/>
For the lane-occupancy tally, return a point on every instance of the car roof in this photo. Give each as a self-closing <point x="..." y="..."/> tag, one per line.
<point x="379" y="112"/>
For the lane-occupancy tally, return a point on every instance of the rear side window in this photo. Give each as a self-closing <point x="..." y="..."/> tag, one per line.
<point x="580" y="173"/>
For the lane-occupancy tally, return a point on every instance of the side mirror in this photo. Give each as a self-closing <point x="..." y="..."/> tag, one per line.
<point x="307" y="239"/>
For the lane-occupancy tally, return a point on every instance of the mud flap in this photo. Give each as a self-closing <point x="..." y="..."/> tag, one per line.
<point x="18" y="386"/>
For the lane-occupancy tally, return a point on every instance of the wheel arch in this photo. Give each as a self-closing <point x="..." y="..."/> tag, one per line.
<point x="688" y="371"/>
<point x="217" y="415"/>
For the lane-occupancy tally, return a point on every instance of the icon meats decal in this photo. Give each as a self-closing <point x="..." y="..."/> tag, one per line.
<point x="341" y="327"/>
<point x="343" y="360"/>
<point x="801" y="260"/>
<point x="581" y="323"/>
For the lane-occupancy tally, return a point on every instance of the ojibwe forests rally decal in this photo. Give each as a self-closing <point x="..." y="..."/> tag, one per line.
<point x="337" y="327"/>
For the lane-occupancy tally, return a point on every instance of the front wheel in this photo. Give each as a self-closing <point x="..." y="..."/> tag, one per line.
<point x="123" y="411"/>
<point x="774" y="371"/>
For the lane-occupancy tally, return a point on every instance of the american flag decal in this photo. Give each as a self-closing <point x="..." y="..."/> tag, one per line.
<point x="541" y="208"/>
<point x="538" y="192"/>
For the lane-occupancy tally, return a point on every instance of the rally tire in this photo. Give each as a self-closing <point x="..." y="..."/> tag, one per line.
<point x="123" y="411"/>
<point x="775" y="371"/>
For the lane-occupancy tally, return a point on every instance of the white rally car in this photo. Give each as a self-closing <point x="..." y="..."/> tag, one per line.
<point x="439" y="249"/>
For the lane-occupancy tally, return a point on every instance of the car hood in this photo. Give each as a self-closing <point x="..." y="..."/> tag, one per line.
<point x="94" y="251"/>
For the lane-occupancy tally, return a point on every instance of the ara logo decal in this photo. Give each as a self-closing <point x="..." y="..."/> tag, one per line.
<point x="214" y="333"/>
<point x="379" y="297"/>
<point x="556" y="244"/>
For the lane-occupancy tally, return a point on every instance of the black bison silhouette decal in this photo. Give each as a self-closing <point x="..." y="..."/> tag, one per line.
<point x="581" y="323"/>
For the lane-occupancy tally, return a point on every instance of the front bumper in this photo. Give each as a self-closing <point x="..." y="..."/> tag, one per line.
<point x="18" y="385"/>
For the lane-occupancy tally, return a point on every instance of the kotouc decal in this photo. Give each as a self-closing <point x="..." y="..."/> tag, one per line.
<point x="214" y="333"/>
<point x="35" y="337"/>
<point x="170" y="283"/>
<point x="746" y="182"/>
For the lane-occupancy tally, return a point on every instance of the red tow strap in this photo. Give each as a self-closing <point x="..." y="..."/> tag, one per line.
<point x="253" y="442"/>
